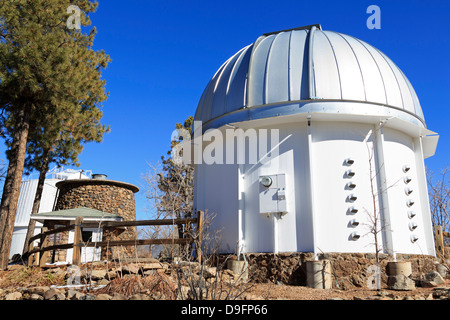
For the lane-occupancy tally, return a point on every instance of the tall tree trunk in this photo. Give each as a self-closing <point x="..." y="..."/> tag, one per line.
<point x="37" y="199"/>
<point x="11" y="189"/>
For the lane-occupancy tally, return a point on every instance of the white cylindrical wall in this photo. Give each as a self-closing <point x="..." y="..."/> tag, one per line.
<point x="333" y="143"/>
<point x="293" y="231"/>
<point x="325" y="195"/>
<point x="217" y="195"/>
<point x="400" y="151"/>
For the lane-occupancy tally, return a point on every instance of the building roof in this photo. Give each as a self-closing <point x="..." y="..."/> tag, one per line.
<point x="78" y="182"/>
<point x="71" y="214"/>
<point x="307" y="70"/>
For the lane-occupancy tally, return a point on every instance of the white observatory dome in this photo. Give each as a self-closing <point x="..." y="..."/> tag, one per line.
<point x="307" y="70"/>
<point x="348" y="141"/>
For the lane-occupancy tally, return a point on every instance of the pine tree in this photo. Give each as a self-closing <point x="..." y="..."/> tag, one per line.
<point x="48" y="73"/>
<point x="62" y="149"/>
<point x="175" y="182"/>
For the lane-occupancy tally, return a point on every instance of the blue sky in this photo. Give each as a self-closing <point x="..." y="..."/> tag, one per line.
<point x="164" y="53"/>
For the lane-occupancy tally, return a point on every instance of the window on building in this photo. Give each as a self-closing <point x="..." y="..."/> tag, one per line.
<point x="86" y="236"/>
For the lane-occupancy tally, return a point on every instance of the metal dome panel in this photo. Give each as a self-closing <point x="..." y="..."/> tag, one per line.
<point x="298" y="68"/>
<point x="304" y="67"/>
<point x="370" y="72"/>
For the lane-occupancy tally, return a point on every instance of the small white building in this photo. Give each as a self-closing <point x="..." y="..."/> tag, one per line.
<point x="48" y="200"/>
<point x="349" y="140"/>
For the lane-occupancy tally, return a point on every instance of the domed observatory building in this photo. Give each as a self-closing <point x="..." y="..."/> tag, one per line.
<point x="340" y="141"/>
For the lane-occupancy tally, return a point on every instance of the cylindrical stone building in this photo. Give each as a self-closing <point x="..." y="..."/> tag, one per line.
<point x="109" y="196"/>
<point x="105" y="195"/>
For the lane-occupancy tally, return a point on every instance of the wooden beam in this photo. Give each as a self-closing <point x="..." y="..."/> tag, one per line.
<point x="113" y="224"/>
<point x="200" y="222"/>
<point x="53" y="231"/>
<point x="77" y="244"/>
<point x="76" y="258"/>
<point x="137" y="242"/>
<point x="439" y="241"/>
<point x="159" y="222"/>
<point x="50" y="248"/>
<point x="44" y="254"/>
<point x="30" y="254"/>
<point x="37" y="258"/>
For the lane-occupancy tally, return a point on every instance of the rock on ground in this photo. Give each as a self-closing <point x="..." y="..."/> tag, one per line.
<point x="432" y="279"/>
<point x="14" y="296"/>
<point x="401" y="282"/>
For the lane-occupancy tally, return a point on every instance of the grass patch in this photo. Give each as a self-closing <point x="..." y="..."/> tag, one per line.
<point x="30" y="276"/>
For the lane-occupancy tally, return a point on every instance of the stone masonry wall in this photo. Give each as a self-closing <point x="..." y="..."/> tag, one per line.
<point x="57" y="239"/>
<point x="349" y="269"/>
<point x="107" y="198"/>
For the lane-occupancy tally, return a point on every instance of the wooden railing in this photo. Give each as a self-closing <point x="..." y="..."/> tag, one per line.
<point x="441" y="250"/>
<point x="40" y="254"/>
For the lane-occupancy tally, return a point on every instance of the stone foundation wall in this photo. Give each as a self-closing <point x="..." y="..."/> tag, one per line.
<point x="348" y="269"/>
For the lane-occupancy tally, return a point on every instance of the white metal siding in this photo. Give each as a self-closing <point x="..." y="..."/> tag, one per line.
<point x="332" y="144"/>
<point x="399" y="151"/>
<point x="24" y="207"/>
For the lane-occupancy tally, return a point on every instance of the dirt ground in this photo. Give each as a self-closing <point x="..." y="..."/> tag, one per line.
<point x="285" y="292"/>
<point x="29" y="277"/>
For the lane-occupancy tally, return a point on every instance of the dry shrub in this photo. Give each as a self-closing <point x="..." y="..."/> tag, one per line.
<point x="29" y="276"/>
<point x="151" y="284"/>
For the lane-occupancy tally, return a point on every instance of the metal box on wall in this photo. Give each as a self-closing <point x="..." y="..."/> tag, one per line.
<point x="272" y="194"/>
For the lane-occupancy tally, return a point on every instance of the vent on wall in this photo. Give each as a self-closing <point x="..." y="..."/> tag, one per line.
<point x="98" y="176"/>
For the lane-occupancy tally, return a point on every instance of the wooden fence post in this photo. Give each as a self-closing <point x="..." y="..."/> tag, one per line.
<point x="30" y="256"/>
<point x="44" y="255"/>
<point x="76" y="258"/>
<point x="439" y="241"/>
<point x="200" y="221"/>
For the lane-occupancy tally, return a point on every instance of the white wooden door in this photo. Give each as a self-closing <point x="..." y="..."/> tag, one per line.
<point x="87" y="253"/>
<point x="91" y="253"/>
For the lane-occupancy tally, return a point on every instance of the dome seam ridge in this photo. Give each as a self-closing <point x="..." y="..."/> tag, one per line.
<point x="378" y="67"/>
<point x="357" y="61"/>
<point x="337" y="64"/>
